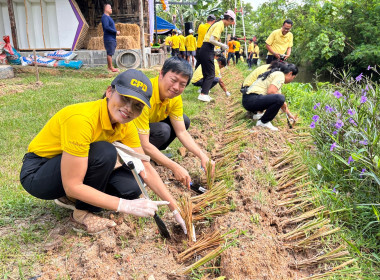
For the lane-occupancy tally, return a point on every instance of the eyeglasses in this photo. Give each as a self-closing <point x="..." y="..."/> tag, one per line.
<point x="286" y="29"/>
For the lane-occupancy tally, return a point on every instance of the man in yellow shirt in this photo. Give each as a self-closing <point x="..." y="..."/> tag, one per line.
<point x="175" y="44"/>
<point x="191" y="44"/>
<point x="182" y="47"/>
<point x="202" y="29"/>
<point x="255" y="54"/>
<point x="168" y="39"/>
<point x="197" y="79"/>
<point x="280" y="42"/>
<point x="73" y="156"/>
<point x="237" y="50"/>
<point x="231" y="51"/>
<point x="159" y="125"/>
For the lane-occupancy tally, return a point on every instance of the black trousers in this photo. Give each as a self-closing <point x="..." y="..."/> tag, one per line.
<point x="206" y="57"/>
<point x="258" y="102"/>
<point x="41" y="177"/>
<point x="270" y="58"/>
<point x="162" y="133"/>
<point x="237" y="54"/>
<point x="197" y="58"/>
<point x="175" y="52"/>
<point x="200" y="82"/>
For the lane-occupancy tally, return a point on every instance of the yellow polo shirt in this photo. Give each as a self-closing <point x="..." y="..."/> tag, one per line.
<point x="182" y="40"/>
<point x="255" y="51"/>
<point x="237" y="46"/>
<point x="75" y="127"/>
<point x="277" y="79"/>
<point x="279" y="42"/>
<point x="191" y="43"/>
<point x="199" y="75"/>
<point x="159" y="110"/>
<point x="215" y="30"/>
<point x="254" y="74"/>
<point x="202" y="30"/>
<point x="168" y="40"/>
<point x="175" y="42"/>
<point x="250" y="47"/>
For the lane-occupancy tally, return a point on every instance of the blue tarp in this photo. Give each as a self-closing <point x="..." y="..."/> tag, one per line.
<point x="164" y="26"/>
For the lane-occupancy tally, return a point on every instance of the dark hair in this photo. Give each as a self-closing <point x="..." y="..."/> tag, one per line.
<point x="288" y="21"/>
<point x="211" y="18"/>
<point x="283" y="67"/>
<point x="179" y="66"/>
<point x="227" y="17"/>
<point x="251" y="40"/>
<point x="222" y="60"/>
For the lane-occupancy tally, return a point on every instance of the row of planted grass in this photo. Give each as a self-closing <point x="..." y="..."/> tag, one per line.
<point x="24" y="220"/>
<point x="344" y="166"/>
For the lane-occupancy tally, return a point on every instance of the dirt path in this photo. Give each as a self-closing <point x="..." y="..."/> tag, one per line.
<point x="134" y="250"/>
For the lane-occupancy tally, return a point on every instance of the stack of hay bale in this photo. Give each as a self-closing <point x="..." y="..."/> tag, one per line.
<point x="129" y="38"/>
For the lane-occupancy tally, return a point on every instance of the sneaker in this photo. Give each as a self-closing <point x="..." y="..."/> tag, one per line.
<point x="267" y="125"/>
<point x="204" y="97"/>
<point x="257" y="116"/>
<point x="65" y="202"/>
<point x="200" y="90"/>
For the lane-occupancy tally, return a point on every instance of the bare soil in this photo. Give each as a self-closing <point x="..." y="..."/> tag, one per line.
<point x="135" y="250"/>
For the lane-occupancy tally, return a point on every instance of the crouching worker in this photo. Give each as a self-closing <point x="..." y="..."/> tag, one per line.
<point x="265" y="94"/>
<point x="197" y="79"/>
<point x="159" y="125"/>
<point x="73" y="156"/>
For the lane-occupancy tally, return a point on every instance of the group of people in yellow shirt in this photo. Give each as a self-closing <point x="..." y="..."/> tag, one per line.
<point x="182" y="46"/>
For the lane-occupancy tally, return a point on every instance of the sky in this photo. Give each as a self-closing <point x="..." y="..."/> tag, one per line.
<point x="255" y="3"/>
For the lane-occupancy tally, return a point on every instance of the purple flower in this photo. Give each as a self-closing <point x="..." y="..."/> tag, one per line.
<point x="364" y="93"/>
<point x="335" y="132"/>
<point x="359" y="78"/>
<point x="315" y="118"/>
<point x="316" y="105"/>
<point x="333" y="146"/>
<point x="350" y="159"/>
<point x="334" y="190"/>
<point x="339" y="124"/>
<point x="350" y="112"/>
<point x="369" y="67"/>
<point x="312" y="125"/>
<point x="362" y="173"/>
<point x="337" y="94"/>
<point x="366" y="87"/>
<point x="363" y="99"/>
<point x="351" y="120"/>
<point x="329" y="109"/>
<point x="364" y="142"/>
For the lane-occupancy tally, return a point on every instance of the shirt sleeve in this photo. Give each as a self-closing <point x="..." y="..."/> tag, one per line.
<point x="76" y="135"/>
<point x="107" y="26"/>
<point x="131" y="138"/>
<point x="217" y="31"/>
<point x="278" y="80"/>
<point x="142" y="122"/>
<point x="270" y="39"/>
<point x="176" y="109"/>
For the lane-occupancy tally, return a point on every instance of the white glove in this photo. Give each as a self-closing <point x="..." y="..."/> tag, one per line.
<point x="140" y="207"/>
<point x="224" y="47"/>
<point x="228" y="93"/>
<point x="179" y="220"/>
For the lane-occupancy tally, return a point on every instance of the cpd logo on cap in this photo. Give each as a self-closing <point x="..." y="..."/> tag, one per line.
<point x="138" y="84"/>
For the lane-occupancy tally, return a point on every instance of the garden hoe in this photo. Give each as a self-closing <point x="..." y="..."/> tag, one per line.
<point x="161" y="226"/>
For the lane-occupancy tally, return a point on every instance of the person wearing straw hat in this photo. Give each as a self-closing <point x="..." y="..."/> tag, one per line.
<point x="159" y="125"/>
<point x="206" y="54"/>
<point x="191" y="44"/>
<point x="109" y="36"/>
<point x="73" y="157"/>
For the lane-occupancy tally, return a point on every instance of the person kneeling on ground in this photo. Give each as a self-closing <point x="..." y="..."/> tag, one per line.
<point x="73" y="156"/>
<point x="197" y="79"/>
<point x="159" y="125"/>
<point x="265" y="94"/>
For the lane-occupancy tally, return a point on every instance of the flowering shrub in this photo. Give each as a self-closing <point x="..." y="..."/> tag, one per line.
<point x="346" y="129"/>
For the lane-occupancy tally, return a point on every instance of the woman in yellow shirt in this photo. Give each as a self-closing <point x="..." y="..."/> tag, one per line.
<point x="73" y="156"/>
<point x="265" y="94"/>
<point x="206" y="54"/>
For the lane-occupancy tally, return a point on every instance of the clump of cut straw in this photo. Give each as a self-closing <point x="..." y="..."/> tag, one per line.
<point x="218" y="193"/>
<point x="211" y="212"/>
<point x="186" y="211"/>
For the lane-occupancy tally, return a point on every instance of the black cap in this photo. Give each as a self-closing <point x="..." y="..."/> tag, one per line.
<point x="211" y="17"/>
<point x="134" y="84"/>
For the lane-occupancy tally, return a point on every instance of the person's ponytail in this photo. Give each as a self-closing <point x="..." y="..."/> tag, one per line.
<point x="280" y="66"/>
